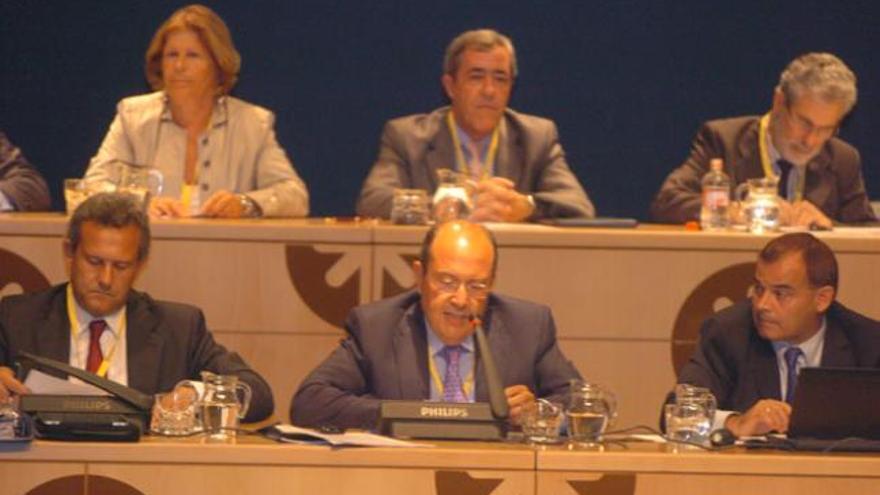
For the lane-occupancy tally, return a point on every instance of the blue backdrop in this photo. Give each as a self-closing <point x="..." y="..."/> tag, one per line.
<point x="628" y="82"/>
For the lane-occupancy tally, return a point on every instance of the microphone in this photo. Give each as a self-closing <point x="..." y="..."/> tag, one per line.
<point x="722" y="437"/>
<point x="497" y="400"/>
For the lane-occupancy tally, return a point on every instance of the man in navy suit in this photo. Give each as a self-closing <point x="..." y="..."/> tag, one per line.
<point x="749" y="354"/>
<point x="420" y="345"/>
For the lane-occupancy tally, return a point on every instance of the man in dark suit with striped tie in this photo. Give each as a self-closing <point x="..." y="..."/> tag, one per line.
<point x="99" y="323"/>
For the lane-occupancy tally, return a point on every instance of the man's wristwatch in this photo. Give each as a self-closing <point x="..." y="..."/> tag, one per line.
<point x="249" y="207"/>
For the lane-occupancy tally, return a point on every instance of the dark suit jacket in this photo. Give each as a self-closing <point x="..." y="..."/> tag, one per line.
<point x="833" y="183"/>
<point x="740" y="367"/>
<point x="413" y="148"/>
<point x="385" y="356"/>
<point x="167" y="342"/>
<point x="19" y="181"/>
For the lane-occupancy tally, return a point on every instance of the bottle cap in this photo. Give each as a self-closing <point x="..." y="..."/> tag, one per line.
<point x="716" y="164"/>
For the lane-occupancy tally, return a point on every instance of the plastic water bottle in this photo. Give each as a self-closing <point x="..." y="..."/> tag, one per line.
<point x="716" y="198"/>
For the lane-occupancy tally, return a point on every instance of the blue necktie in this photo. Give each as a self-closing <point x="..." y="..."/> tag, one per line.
<point x="791" y="358"/>
<point x="452" y="385"/>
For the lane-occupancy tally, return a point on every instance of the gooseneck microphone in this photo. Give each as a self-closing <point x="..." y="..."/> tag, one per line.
<point x="497" y="399"/>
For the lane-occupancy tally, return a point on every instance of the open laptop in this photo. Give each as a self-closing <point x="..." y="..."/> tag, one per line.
<point x="834" y="409"/>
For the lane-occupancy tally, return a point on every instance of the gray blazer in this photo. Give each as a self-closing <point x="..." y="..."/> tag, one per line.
<point x="167" y="342"/>
<point x="385" y="356"/>
<point x="238" y="152"/>
<point x="740" y="367"/>
<point x="529" y="154"/>
<point x="834" y="180"/>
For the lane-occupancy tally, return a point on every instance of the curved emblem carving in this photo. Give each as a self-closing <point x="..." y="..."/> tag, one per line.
<point x="716" y="292"/>
<point x="391" y="285"/>
<point x="462" y="483"/>
<point x="19" y="271"/>
<point x="77" y="484"/>
<point x="612" y="484"/>
<point x="308" y="269"/>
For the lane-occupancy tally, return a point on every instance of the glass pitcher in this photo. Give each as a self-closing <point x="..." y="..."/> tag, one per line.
<point x="224" y="403"/>
<point x="591" y="408"/>
<point x="141" y="181"/>
<point x="760" y="204"/>
<point x="452" y="199"/>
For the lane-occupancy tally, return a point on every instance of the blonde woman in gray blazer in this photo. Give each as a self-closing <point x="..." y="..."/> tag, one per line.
<point x="218" y="154"/>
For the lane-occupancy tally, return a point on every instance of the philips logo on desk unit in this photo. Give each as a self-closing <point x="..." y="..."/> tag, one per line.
<point x="443" y="412"/>
<point x="86" y="404"/>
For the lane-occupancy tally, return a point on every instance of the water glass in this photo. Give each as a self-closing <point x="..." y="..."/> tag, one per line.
<point x="78" y="190"/>
<point x="174" y="413"/>
<point x="409" y="207"/>
<point x="687" y="422"/>
<point x="541" y="421"/>
<point x="11" y="422"/>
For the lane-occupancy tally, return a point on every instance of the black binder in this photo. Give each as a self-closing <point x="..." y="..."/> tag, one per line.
<point x="122" y="416"/>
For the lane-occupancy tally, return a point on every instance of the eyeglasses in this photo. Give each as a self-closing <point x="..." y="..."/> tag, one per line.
<point x="445" y="282"/>
<point x="805" y="126"/>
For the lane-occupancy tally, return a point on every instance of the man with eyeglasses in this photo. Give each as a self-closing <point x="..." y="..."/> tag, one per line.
<point x="820" y="176"/>
<point x="514" y="159"/>
<point x="749" y="354"/>
<point x="420" y="345"/>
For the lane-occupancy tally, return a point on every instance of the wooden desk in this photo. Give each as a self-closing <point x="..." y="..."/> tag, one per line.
<point x="649" y="469"/>
<point x="626" y="301"/>
<point x="255" y="465"/>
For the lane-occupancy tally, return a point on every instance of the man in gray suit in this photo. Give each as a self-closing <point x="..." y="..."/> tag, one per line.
<point x="85" y="321"/>
<point x="750" y="353"/>
<point x="420" y="345"/>
<point x="515" y="159"/>
<point x="22" y="188"/>
<point x="820" y="176"/>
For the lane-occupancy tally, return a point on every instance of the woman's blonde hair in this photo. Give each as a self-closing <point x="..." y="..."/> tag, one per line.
<point x="213" y="33"/>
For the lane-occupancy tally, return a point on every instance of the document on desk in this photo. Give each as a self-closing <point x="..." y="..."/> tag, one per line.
<point x="41" y="383"/>
<point x="295" y="434"/>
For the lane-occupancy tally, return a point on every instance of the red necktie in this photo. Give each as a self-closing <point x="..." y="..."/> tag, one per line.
<point x="96" y="357"/>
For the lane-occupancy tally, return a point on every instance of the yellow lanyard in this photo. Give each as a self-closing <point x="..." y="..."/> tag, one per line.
<point x="461" y="166"/>
<point x="74" y="331"/>
<point x="466" y="387"/>
<point x="763" y="128"/>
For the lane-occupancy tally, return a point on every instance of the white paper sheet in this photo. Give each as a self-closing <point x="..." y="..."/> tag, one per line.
<point x="353" y="438"/>
<point x="41" y="383"/>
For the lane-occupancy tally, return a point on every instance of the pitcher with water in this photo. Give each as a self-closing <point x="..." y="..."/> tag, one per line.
<point x="591" y="408"/>
<point x="224" y="403"/>
<point x="760" y="204"/>
<point x="141" y="181"/>
<point x="452" y="199"/>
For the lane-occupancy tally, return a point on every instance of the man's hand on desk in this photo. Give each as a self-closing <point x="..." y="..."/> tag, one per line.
<point x="9" y="384"/>
<point x="518" y="396"/>
<point x="803" y="214"/>
<point x="498" y="201"/>
<point x="765" y="416"/>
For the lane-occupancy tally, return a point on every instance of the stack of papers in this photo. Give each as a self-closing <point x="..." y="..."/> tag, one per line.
<point x="295" y="434"/>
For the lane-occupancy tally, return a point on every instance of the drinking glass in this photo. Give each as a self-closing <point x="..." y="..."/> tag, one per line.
<point x="541" y="421"/>
<point x="409" y="207"/>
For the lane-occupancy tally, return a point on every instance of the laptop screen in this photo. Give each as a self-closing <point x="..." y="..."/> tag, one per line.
<point x="835" y="403"/>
